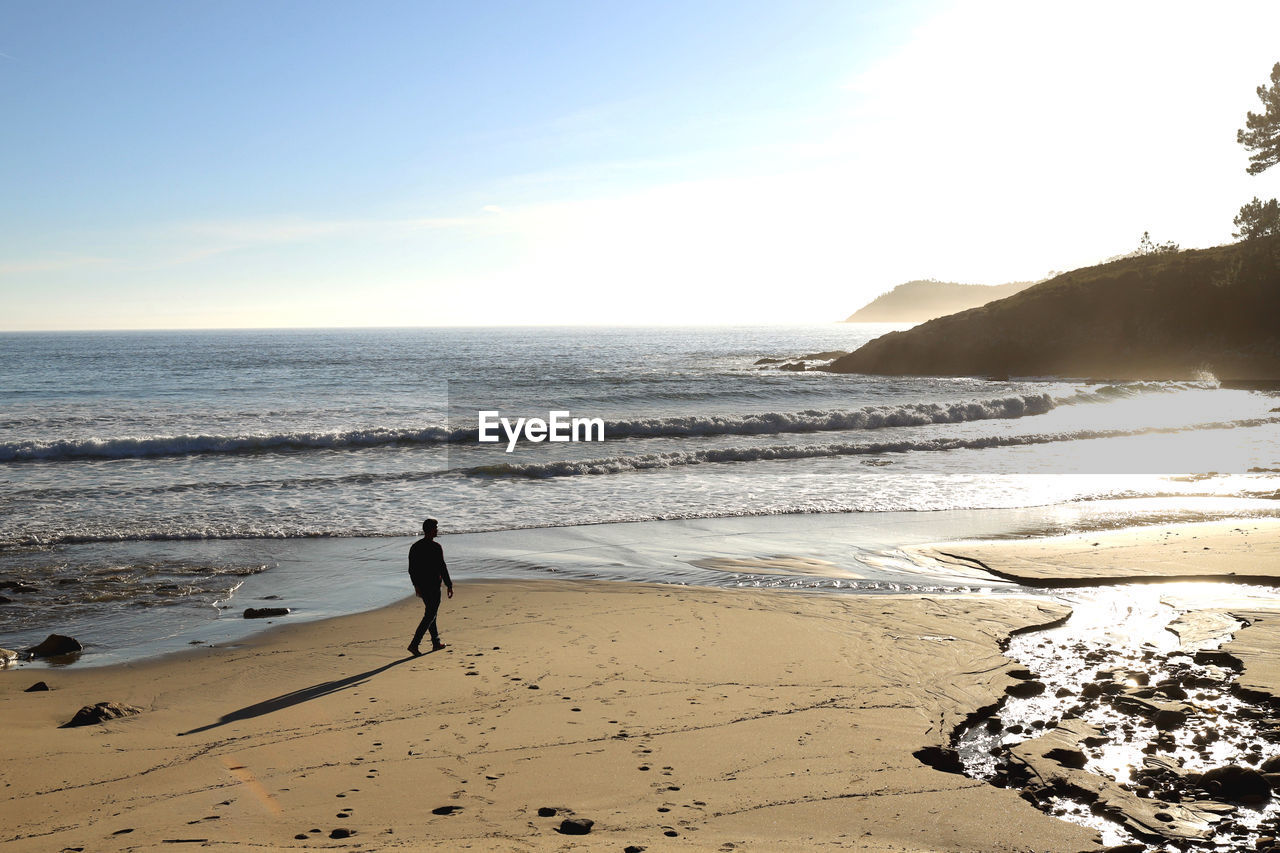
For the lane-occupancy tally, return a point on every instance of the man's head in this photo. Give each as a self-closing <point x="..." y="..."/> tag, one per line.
<point x="430" y="527"/>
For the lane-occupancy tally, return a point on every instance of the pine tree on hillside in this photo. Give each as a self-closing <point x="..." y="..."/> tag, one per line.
<point x="1261" y="135"/>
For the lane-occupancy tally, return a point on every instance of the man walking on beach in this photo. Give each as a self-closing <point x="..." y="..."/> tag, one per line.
<point x="427" y="571"/>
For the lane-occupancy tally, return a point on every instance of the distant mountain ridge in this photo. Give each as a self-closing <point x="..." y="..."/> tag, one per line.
<point x="918" y="301"/>
<point x="1169" y="315"/>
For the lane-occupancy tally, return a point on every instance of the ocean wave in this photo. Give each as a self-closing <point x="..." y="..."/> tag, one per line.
<point x="45" y="539"/>
<point x="867" y="418"/>
<point x="752" y="423"/>
<point x="1128" y="390"/>
<point x="190" y="445"/>
<point x="134" y="489"/>
<point x="650" y="461"/>
<point x="764" y="423"/>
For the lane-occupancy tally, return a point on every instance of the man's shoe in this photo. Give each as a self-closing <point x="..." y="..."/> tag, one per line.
<point x="415" y="651"/>
<point x="435" y="647"/>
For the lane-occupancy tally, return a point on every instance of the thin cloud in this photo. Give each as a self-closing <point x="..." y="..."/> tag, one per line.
<point x="430" y="222"/>
<point x="192" y="242"/>
<point x="252" y="232"/>
<point x="50" y="264"/>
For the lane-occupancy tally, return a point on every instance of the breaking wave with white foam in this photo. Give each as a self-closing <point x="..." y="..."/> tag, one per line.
<point x="132" y="447"/>
<point x="761" y="423"/>
<point x="648" y="461"/>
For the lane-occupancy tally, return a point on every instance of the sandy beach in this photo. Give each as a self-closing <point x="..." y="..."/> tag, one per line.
<point x="314" y="311"/>
<point x="675" y="718"/>
<point x="672" y="717"/>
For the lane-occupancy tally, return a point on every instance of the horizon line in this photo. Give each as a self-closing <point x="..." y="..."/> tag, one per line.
<point x="690" y="325"/>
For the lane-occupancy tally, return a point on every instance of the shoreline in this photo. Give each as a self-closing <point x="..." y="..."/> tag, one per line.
<point x="321" y="578"/>
<point x="1196" y="551"/>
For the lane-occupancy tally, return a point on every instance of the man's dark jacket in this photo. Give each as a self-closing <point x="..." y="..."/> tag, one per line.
<point x="426" y="567"/>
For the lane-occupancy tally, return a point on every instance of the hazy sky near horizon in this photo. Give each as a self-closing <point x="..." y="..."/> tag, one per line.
<point x="263" y="164"/>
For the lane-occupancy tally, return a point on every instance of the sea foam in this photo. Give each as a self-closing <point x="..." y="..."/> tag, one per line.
<point x="750" y="423"/>
<point x="648" y="461"/>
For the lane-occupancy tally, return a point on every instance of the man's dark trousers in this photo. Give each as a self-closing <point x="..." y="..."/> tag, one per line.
<point x="431" y="604"/>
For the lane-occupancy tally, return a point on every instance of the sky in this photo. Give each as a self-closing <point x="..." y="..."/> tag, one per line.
<point x="293" y="164"/>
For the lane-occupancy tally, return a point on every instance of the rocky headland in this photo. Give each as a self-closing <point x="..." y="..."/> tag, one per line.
<point x="918" y="301"/>
<point x="1168" y="315"/>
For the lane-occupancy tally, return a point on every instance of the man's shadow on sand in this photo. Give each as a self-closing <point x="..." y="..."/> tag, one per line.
<point x="297" y="697"/>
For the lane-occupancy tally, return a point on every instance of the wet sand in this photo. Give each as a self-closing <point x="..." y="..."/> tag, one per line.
<point x="674" y="718"/>
<point x="1147" y="716"/>
<point x="1243" y="550"/>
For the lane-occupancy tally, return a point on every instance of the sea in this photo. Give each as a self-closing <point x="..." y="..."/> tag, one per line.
<point x="154" y="484"/>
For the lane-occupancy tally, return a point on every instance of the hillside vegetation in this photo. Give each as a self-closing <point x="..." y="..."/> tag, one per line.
<point x="1165" y="315"/>
<point x="917" y="301"/>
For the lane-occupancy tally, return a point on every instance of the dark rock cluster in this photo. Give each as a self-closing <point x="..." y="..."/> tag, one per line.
<point x="1208" y="756"/>
<point x="799" y="362"/>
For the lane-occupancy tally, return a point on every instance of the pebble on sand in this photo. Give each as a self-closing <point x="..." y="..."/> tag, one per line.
<point x="265" y="612"/>
<point x="576" y="825"/>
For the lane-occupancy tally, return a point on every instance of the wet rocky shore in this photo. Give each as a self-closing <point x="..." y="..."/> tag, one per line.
<point x="1128" y="717"/>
